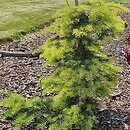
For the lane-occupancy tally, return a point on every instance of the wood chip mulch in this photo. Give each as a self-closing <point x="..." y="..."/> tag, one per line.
<point x="21" y="75"/>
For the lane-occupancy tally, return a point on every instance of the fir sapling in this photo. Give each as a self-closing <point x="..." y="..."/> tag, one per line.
<point x="83" y="73"/>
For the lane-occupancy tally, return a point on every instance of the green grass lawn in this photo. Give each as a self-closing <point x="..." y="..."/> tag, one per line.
<point x="121" y="1"/>
<point x="23" y="16"/>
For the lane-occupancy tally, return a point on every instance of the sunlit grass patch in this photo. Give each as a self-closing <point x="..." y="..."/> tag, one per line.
<point x="23" y="16"/>
<point x="121" y="1"/>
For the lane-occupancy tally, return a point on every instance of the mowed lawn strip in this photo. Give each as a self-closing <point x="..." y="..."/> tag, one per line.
<point x="22" y="16"/>
<point x="121" y="1"/>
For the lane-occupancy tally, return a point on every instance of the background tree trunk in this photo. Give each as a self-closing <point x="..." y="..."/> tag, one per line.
<point x="76" y="2"/>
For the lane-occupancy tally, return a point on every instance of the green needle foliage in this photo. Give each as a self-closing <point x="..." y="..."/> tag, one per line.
<point x="83" y="73"/>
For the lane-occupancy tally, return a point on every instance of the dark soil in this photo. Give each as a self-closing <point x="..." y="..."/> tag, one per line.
<point x="21" y="75"/>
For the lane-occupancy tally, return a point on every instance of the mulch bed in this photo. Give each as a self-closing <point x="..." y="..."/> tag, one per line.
<point x="21" y="75"/>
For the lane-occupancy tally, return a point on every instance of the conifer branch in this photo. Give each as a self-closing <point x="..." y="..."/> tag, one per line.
<point x="67" y="2"/>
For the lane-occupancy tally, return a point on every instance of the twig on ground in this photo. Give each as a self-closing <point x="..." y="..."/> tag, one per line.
<point x="18" y="54"/>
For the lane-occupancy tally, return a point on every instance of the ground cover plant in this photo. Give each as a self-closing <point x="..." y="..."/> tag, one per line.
<point x="83" y="73"/>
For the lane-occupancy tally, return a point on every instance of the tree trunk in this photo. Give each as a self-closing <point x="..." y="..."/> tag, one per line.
<point x="76" y="2"/>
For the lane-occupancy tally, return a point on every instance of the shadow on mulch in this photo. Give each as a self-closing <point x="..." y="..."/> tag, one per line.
<point x="112" y="120"/>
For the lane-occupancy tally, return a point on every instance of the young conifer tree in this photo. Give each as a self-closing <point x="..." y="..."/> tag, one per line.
<point x="83" y="73"/>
